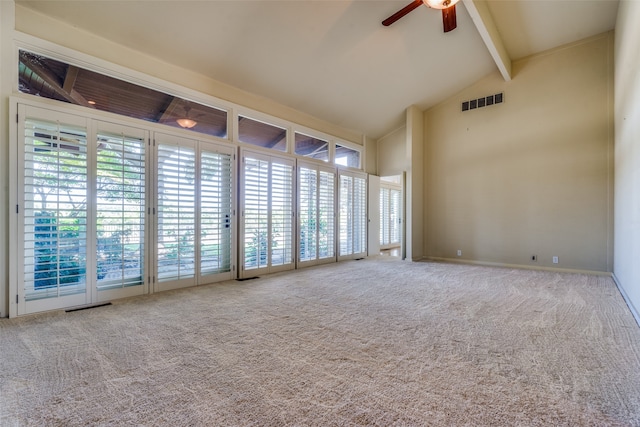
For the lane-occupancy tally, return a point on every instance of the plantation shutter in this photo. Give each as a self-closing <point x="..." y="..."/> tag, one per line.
<point x="256" y="213"/>
<point x="360" y="215"/>
<point x="176" y="214"/>
<point x="353" y="214"/>
<point x="395" y="211"/>
<point x="281" y="213"/>
<point x="384" y="216"/>
<point x="346" y="215"/>
<point x="316" y="201"/>
<point x="120" y="209"/>
<point x="54" y="183"/>
<point x="307" y="200"/>
<point x="326" y="215"/>
<point x="267" y="207"/>
<point x="216" y="195"/>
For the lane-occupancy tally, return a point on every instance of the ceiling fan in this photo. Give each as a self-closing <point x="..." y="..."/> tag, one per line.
<point x="448" y="8"/>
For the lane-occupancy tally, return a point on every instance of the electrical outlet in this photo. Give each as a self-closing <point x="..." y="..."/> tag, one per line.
<point x="459" y="252"/>
<point x="555" y="259"/>
<point x="534" y="258"/>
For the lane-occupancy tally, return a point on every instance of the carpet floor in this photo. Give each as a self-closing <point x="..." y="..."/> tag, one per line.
<point x="374" y="342"/>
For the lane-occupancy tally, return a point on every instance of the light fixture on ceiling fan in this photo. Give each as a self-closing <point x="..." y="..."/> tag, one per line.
<point x="186" y="122"/>
<point x="448" y="8"/>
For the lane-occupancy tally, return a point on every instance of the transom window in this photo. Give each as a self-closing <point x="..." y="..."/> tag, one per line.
<point x="346" y="156"/>
<point x="49" y="78"/>
<point x="310" y="146"/>
<point x="262" y="134"/>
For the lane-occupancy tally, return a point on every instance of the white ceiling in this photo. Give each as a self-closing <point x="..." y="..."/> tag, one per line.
<point x="333" y="59"/>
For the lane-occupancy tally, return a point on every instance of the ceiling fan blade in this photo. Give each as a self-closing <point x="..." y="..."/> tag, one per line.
<point x="402" y="12"/>
<point x="449" y="18"/>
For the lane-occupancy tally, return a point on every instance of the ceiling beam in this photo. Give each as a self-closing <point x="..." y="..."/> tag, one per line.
<point x="70" y="78"/>
<point x="47" y="75"/>
<point x="479" y="12"/>
<point x="167" y="112"/>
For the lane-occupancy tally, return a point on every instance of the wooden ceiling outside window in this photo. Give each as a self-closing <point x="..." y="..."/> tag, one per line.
<point x="48" y="78"/>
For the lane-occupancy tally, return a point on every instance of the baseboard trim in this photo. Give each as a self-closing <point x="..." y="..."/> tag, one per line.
<point x="632" y="308"/>
<point x="519" y="266"/>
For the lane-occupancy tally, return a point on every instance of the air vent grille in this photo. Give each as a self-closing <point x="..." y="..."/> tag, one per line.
<point x="482" y="102"/>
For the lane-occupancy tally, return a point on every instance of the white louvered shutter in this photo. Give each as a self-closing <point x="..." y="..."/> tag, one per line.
<point x="176" y="212"/>
<point x="359" y="215"/>
<point x="395" y="212"/>
<point x="120" y="210"/>
<point x="353" y="215"/>
<point x="267" y="208"/>
<point x="54" y="225"/>
<point x="281" y="213"/>
<point x="326" y="215"/>
<point x="216" y="195"/>
<point x="256" y="213"/>
<point x="384" y="216"/>
<point x="307" y="193"/>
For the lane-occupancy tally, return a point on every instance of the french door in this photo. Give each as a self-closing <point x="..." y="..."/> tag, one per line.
<point x="107" y="210"/>
<point x="267" y="214"/>
<point x="316" y="214"/>
<point x="352" y="210"/>
<point x="82" y="194"/>
<point x="103" y="214"/>
<point x="194" y="219"/>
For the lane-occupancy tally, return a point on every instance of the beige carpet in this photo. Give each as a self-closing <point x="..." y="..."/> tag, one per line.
<point x="372" y="342"/>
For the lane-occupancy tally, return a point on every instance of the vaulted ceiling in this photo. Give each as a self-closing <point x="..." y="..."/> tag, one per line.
<point x="333" y="59"/>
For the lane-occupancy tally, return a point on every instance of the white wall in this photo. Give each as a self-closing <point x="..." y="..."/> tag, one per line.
<point x="391" y="153"/>
<point x="414" y="190"/>
<point x="530" y="176"/>
<point x="627" y="153"/>
<point x="6" y="74"/>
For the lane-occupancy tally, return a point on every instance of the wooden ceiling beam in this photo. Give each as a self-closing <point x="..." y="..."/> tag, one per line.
<point x="479" y="12"/>
<point x="52" y="80"/>
<point x="167" y="113"/>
